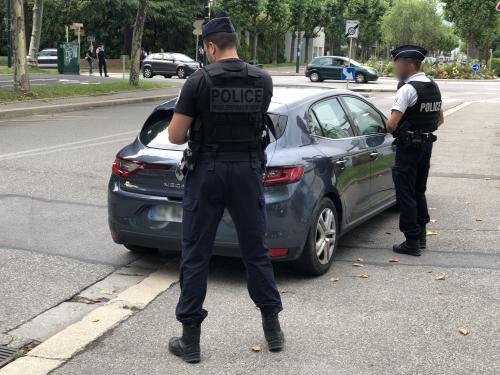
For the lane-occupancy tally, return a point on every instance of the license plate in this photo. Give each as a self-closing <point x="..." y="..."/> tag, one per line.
<point x="165" y="213"/>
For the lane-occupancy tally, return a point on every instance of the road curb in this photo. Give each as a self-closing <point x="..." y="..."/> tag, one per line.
<point x="57" y="108"/>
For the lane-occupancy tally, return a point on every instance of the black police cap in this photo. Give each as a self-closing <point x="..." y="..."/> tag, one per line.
<point x="219" y="24"/>
<point x="409" y="51"/>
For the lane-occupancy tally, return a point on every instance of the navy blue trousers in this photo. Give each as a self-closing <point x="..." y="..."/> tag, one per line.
<point x="410" y="174"/>
<point x="212" y="187"/>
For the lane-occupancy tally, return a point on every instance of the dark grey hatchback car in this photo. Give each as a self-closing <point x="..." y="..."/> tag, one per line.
<point x="329" y="170"/>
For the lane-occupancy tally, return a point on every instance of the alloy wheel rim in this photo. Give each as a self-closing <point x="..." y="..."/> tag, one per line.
<point x="181" y="73"/>
<point x="360" y="78"/>
<point x="147" y="73"/>
<point x="314" y="76"/>
<point x="326" y="233"/>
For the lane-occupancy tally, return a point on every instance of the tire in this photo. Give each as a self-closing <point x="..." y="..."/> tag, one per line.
<point x="315" y="77"/>
<point x="360" y="78"/>
<point x="181" y="72"/>
<point x="140" y="249"/>
<point x="148" y="72"/>
<point x="313" y="260"/>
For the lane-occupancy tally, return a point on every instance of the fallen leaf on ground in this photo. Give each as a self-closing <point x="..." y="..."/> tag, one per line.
<point x="428" y="270"/>
<point x="432" y="233"/>
<point x="335" y="279"/>
<point x="440" y="277"/>
<point x="388" y="233"/>
<point x="432" y="208"/>
<point x="432" y="220"/>
<point x="283" y="291"/>
<point x="357" y="265"/>
<point x="393" y="260"/>
<point x="479" y="219"/>
<point x="256" y="348"/>
<point x="108" y="291"/>
<point x="362" y="276"/>
<point x="359" y="260"/>
<point x="95" y="320"/>
<point x="464" y="331"/>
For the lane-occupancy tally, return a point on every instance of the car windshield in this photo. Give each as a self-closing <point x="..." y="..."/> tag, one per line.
<point x="354" y="62"/>
<point x="181" y="57"/>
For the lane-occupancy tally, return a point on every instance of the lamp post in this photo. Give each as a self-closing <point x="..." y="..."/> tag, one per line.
<point x="9" y="31"/>
<point x="297" y="57"/>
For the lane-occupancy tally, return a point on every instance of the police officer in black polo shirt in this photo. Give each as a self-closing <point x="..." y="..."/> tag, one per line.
<point x="416" y="114"/>
<point x="221" y="111"/>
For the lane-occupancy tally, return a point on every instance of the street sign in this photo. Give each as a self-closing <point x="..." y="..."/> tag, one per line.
<point x="197" y="25"/>
<point x="77" y="25"/>
<point x="348" y="73"/>
<point x="351" y="28"/>
<point x="476" y="67"/>
<point x="90" y="38"/>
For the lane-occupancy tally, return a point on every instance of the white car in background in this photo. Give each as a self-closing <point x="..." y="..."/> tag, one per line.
<point x="47" y="58"/>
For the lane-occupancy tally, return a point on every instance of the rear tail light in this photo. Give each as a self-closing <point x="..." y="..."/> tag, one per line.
<point x="126" y="168"/>
<point x="283" y="175"/>
<point x="279" y="252"/>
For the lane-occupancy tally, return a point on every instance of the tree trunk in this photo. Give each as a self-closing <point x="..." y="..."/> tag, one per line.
<point x="135" y="59"/>
<point x="292" y="48"/>
<point x="21" y="75"/>
<point x="36" y="32"/>
<point x="305" y="53"/>
<point x="255" y="44"/>
<point x="275" y="48"/>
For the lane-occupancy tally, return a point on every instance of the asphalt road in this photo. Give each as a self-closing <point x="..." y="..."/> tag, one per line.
<point x="54" y="242"/>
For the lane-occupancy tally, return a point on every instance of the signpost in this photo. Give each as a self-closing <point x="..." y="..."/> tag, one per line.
<point x="77" y="26"/>
<point x="348" y="73"/>
<point x="351" y="32"/>
<point x="197" y="32"/>
<point x="475" y="68"/>
<point x="91" y="39"/>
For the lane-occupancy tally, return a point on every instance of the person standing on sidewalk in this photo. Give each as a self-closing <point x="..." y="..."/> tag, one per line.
<point x="90" y="59"/>
<point x="416" y="114"/>
<point x="221" y="109"/>
<point x="102" y="60"/>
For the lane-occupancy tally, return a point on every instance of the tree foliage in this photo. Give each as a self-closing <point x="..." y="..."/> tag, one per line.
<point x="476" y="22"/>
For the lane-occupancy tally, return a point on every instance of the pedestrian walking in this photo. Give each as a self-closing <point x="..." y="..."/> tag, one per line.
<point x="416" y="114"/>
<point x="229" y="99"/>
<point x="89" y="57"/>
<point x="101" y="56"/>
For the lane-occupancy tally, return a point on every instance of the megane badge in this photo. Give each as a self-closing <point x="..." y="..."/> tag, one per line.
<point x="173" y="185"/>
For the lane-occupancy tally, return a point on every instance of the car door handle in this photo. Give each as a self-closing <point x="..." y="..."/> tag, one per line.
<point x="341" y="163"/>
<point x="374" y="155"/>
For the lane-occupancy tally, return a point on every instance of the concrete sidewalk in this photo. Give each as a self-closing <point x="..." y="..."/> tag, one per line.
<point x="44" y="106"/>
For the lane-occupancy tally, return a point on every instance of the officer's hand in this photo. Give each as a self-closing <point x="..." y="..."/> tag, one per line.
<point x="179" y="128"/>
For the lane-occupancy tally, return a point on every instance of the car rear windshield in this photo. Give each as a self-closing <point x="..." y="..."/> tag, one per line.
<point x="154" y="134"/>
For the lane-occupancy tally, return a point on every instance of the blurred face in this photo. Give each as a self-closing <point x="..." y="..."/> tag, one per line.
<point x="404" y="69"/>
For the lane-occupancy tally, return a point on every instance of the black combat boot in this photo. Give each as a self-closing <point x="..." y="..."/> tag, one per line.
<point x="423" y="238"/>
<point x="273" y="333"/>
<point x="188" y="346"/>
<point x="410" y="247"/>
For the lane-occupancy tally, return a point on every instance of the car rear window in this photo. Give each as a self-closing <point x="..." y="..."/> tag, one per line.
<point x="154" y="133"/>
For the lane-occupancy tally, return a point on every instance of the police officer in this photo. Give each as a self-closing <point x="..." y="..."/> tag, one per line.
<point x="416" y="114"/>
<point x="221" y="111"/>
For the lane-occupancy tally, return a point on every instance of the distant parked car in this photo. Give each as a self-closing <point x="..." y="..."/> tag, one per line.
<point x="330" y="67"/>
<point x="430" y="60"/>
<point x="168" y="65"/>
<point x="47" y="58"/>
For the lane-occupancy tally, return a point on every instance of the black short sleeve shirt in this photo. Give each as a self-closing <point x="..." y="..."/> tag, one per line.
<point x="194" y="96"/>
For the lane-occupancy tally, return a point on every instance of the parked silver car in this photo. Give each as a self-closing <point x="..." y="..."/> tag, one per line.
<point x="47" y="58"/>
<point x="169" y="64"/>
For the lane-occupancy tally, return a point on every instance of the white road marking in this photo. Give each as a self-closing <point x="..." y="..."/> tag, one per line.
<point x="63" y="145"/>
<point x="456" y="109"/>
<point x="65" y="344"/>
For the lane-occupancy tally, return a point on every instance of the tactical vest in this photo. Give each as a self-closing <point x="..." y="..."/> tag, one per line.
<point x="424" y="115"/>
<point x="234" y="120"/>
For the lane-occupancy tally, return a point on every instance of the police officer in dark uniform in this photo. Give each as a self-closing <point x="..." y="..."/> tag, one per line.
<point x="221" y="111"/>
<point x="416" y="114"/>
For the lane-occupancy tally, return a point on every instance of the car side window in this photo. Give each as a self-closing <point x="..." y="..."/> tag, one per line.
<point x="332" y="119"/>
<point x="324" y="61"/>
<point x="168" y="56"/>
<point x="365" y="117"/>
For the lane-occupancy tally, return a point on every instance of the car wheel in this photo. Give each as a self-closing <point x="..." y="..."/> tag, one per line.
<point x="147" y="73"/>
<point x="321" y="243"/>
<point x="360" y="78"/>
<point x="315" y="77"/>
<point x="140" y="249"/>
<point x="181" y="72"/>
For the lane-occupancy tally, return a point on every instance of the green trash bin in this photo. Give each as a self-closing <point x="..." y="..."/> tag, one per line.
<point x="68" y="58"/>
